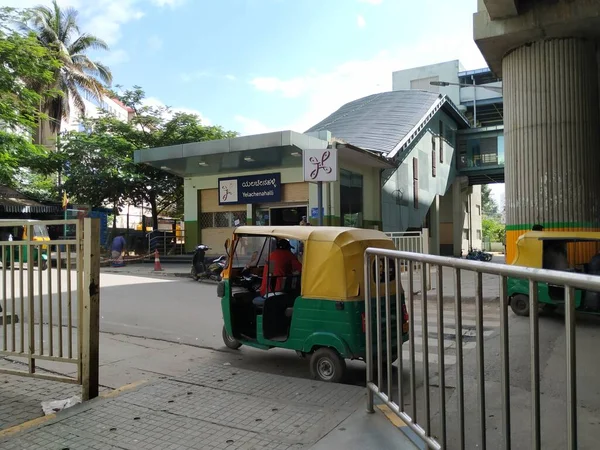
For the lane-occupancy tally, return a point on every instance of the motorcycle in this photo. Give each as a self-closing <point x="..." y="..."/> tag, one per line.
<point x="203" y="269"/>
<point x="478" y="255"/>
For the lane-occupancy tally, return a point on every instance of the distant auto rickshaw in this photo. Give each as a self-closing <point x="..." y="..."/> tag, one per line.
<point x="16" y="230"/>
<point x="319" y="313"/>
<point x="576" y="252"/>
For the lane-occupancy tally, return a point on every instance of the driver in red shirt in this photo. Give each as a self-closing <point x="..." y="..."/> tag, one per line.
<point x="282" y="263"/>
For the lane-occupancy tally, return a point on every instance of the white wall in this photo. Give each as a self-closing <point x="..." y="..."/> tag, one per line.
<point x="92" y="111"/>
<point x="445" y="71"/>
<point x="397" y="217"/>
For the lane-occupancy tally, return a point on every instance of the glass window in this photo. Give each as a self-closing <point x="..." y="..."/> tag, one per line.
<point x="351" y="198"/>
<point x="252" y="251"/>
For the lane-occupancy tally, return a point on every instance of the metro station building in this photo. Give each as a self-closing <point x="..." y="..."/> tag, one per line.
<point x="397" y="161"/>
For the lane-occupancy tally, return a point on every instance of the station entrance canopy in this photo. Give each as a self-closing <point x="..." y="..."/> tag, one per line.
<point x="277" y="150"/>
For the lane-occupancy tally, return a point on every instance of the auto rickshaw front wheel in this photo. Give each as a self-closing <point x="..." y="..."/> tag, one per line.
<point x="230" y="341"/>
<point x="520" y="304"/>
<point x="326" y="364"/>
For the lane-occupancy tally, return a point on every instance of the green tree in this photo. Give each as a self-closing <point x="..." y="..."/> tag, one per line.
<point x="488" y="204"/>
<point x="493" y="229"/>
<point x="25" y="63"/>
<point x="98" y="163"/>
<point x="57" y="28"/>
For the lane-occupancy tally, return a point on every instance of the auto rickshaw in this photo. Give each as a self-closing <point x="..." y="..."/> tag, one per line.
<point x="319" y="313"/>
<point x="12" y="230"/>
<point x="567" y="251"/>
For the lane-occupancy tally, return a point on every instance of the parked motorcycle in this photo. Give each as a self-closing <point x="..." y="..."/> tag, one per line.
<point x="203" y="269"/>
<point x="478" y="255"/>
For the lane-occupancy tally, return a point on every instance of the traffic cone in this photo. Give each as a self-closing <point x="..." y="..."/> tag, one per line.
<point x="157" y="266"/>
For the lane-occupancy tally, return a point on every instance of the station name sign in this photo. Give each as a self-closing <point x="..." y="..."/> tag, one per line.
<point x="263" y="188"/>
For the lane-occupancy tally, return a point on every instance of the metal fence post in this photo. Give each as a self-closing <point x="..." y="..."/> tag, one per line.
<point x="90" y="307"/>
<point x="425" y="247"/>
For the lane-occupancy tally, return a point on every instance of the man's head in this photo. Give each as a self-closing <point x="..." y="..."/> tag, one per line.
<point x="537" y="227"/>
<point x="284" y="244"/>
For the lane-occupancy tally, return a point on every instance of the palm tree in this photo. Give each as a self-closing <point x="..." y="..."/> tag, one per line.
<point x="57" y="28"/>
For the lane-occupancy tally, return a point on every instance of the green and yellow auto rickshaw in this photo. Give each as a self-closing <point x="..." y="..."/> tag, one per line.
<point x="319" y="312"/>
<point x="575" y="251"/>
<point x="17" y="230"/>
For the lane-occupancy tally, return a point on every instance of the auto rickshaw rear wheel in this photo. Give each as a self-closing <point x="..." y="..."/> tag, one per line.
<point x="520" y="305"/>
<point x="230" y="341"/>
<point x="326" y="364"/>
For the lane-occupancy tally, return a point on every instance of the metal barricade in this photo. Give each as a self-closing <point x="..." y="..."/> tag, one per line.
<point x="413" y="242"/>
<point x="379" y="334"/>
<point x="50" y="300"/>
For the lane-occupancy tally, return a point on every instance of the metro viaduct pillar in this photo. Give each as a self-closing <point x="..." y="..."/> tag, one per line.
<point x="551" y="116"/>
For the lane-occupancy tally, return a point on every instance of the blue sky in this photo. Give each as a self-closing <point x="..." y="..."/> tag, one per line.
<point x="260" y="65"/>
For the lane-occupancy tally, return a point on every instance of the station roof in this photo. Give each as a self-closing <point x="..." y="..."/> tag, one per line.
<point x="387" y="122"/>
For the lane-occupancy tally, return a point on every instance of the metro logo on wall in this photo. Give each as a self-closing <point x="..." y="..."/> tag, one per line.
<point x="263" y="188"/>
<point x="320" y="164"/>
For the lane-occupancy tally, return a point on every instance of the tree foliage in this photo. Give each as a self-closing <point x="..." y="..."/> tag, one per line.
<point x="57" y="28"/>
<point x="488" y="204"/>
<point x="493" y="229"/>
<point x="26" y="79"/>
<point x="98" y="163"/>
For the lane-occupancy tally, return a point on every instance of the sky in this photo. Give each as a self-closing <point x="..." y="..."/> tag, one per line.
<point x="255" y="66"/>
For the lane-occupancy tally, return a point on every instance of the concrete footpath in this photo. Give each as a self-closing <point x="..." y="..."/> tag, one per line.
<point x="179" y="396"/>
<point x="217" y="407"/>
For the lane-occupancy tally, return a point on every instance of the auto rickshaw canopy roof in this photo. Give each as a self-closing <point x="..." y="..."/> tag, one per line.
<point x="530" y="247"/>
<point x="333" y="265"/>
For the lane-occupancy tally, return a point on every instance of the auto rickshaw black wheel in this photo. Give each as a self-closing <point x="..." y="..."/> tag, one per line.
<point x="520" y="305"/>
<point x="326" y="364"/>
<point x="230" y="341"/>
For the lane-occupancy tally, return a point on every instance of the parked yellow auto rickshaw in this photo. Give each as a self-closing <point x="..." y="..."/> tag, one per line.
<point x="576" y="252"/>
<point x="11" y="232"/>
<point x="319" y="312"/>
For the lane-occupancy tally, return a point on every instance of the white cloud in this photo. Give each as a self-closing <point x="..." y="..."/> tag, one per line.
<point x="104" y="18"/>
<point x="327" y="91"/>
<point x="252" y="126"/>
<point x="360" y="21"/>
<point x="115" y="57"/>
<point x="231" y="77"/>
<point x="289" y="88"/>
<point x="157" y="103"/>
<point x="371" y="2"/>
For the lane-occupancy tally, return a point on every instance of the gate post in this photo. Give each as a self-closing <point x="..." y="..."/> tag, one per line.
<point x="90" y="308"/>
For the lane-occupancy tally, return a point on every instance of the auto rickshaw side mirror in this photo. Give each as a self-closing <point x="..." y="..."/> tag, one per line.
<point x="227" y="244"/>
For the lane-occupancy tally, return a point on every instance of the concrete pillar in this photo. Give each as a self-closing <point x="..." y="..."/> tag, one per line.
<point x="552" y="137"/>
<point x="457" y="217"/>
<point x="434" y="221"/>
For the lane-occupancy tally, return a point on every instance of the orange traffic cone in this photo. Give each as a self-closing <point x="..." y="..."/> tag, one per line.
<point x="157" y="266"/>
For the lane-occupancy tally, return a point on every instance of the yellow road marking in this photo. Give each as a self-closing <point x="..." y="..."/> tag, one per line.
<point x="391" y="416"/>
<point x="122" y="389"/>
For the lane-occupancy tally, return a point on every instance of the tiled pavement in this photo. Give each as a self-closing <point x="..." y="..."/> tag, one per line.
<point x="211" y="407"/>
<point x="21" y="397"/>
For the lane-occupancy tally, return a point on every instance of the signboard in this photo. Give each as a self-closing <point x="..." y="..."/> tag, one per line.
<point x="320" y="165"/>
<point x="263" y="188"/>
<point x="314" y="212"/>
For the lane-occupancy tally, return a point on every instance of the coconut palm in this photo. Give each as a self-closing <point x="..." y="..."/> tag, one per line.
<point x="57" y="28"/>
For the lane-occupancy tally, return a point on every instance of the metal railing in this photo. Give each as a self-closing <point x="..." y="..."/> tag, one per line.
<point x="420" y="421"/>
<point x="410" y="241"/>
<point x="413" y="242"/>
<point x="166" y="242"/>
<point x="50" y="295"/>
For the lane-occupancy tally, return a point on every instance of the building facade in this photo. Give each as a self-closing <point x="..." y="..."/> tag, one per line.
<point x="396" y="162"/>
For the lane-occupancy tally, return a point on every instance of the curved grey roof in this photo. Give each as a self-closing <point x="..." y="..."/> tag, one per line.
<point x="379" y="122"/>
